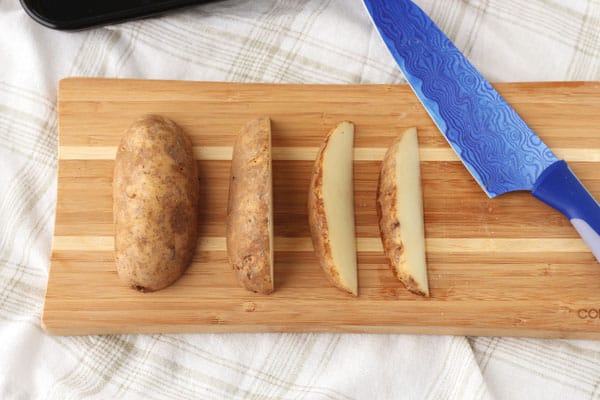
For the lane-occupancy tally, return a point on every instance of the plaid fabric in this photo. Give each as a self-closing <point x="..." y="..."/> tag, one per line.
<point x="314" y="41"/>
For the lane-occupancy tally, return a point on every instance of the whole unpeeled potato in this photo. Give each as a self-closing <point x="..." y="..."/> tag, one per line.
<point x="155" y="204"/>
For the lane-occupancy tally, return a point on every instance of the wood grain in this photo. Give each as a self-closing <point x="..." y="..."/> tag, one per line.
<point x="508" y="266"/>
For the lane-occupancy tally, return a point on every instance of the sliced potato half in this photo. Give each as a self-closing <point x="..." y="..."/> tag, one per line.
<point x="331" y="208"/>
<point x="250" y="207"/>
<point x="400" y="211"/>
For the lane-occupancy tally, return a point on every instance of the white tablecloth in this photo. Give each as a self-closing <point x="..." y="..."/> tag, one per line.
<point x="260" y="41"/>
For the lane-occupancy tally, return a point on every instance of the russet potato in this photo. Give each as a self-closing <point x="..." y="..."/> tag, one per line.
<point x="155" y="204"/>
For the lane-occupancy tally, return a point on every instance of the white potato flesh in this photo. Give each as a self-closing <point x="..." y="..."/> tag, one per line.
<point x="338" y="199"/>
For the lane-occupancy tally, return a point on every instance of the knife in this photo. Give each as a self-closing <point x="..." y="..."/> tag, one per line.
<point x="498" y="148"/>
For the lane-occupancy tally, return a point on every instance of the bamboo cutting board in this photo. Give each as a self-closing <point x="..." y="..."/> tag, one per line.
<point x="508" y="266"/>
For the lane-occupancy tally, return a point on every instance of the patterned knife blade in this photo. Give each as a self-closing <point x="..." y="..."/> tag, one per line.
<point x="498" y="148"/>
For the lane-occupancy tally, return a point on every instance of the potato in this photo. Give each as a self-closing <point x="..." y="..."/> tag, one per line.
<point x="400" y="211"/>
<point x="250" y="208"/>
<point x="155" y="204"/>
<point x="331" y="208"/>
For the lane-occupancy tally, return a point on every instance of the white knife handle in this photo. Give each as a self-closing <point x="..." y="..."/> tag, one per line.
<point x="589" y="236"/>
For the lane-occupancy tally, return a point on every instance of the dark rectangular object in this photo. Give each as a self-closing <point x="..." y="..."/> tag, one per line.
<point x="77" y="14"/>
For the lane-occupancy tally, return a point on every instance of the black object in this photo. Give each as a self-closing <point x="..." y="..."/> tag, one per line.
<point x="81" y="14"/>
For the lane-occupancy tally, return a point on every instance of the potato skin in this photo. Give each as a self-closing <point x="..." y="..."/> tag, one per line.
<point x="317" y="220"/>
<point x="249" y="208"/>
<point x="155" y="204"/>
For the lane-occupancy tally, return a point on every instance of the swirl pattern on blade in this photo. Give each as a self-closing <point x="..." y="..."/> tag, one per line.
<point x="495" y="144"/>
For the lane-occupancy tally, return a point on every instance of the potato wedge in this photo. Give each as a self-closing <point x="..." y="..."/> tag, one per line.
<point x="400" y="212"/>
<point x="155" y="204"/>
<point x="331" y="208"/>
<point x="250" y="208"/>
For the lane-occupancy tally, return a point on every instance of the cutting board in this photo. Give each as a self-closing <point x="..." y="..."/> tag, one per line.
<point x="507" y="266"/>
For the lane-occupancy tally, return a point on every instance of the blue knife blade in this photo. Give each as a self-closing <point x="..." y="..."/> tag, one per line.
<point x="497" y="147"/>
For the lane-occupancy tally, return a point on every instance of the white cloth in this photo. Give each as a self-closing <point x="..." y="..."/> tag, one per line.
<point x="311" y="41"/>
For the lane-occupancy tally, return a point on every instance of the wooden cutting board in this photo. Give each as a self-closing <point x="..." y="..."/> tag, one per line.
<point x="508" y="266"/>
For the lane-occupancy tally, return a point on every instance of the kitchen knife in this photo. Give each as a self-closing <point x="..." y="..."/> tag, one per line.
<point x="498" y="148"/>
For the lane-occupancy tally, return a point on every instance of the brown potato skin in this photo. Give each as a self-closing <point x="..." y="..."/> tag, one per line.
<point x="250" y="196"/>
<point x="317" y="220"/>
<point x="389" y="225"/>
<point x="155" y="204"/>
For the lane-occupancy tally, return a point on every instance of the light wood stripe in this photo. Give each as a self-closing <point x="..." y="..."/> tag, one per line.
<point x="370" y="245"/>
<point x="87" y="152"/>
<point x="308" y="153"/>
<point x="530" y="245"/>
<point x="213" y="152"/>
